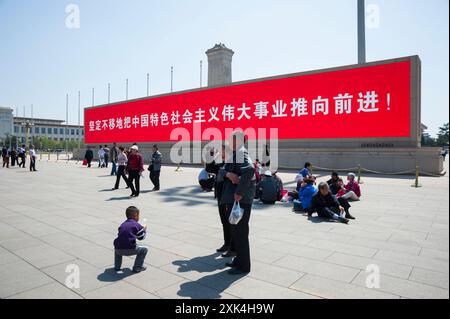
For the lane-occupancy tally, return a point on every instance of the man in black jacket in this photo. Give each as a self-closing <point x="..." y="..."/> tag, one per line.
<point x="238" y="177"/>
<point x="268" y="190"/>
<point x="89" y="156"/>
<point x="326" y="205"/>
<point x="213" y="165"/>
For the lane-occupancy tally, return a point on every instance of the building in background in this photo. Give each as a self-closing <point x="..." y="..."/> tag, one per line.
<point x="6" y="123"/>
<point x="13" y="130"/>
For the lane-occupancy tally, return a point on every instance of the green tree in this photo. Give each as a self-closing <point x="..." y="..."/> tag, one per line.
<point x="427" y="140"/>
<point x="442" y="136"/>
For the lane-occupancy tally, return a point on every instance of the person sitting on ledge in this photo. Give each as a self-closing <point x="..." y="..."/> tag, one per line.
<point x="353" y="192"/>
<point x="326" y="205"/>
<point x="267" y="190"/>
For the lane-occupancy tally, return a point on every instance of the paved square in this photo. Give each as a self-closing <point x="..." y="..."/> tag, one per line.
<point x="66" y="214"/>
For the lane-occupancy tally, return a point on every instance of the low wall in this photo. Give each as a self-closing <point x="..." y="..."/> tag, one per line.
<point x="381" y="160"/>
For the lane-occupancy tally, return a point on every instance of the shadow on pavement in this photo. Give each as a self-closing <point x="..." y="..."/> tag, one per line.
<point x="213" y="285"/>
<point x="110" y="275"/>
<point x="119" y="198"/>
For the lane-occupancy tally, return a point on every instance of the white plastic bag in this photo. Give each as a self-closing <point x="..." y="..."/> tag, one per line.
<point x="236" y="214"/>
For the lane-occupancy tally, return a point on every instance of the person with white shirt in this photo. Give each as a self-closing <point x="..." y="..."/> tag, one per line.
<point x="22" y="155"/>
<point x="122" y="160"/>
<point x="101" y="157"/>
<point x="206" y="181"/>
<point x="32" y="159"/>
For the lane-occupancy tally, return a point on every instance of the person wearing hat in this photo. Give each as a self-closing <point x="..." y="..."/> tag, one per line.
<point x="353" y="191"/>
<point x="268" y="189"/>
<point x="238" y="176"/>
<point x="135" y="167"/>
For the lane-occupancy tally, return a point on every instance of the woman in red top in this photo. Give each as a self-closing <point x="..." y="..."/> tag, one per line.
<point x="353" y="192"/>
<point x="135" y="167"/>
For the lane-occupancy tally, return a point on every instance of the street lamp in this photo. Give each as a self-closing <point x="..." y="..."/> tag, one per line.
<point x="28" y="125"/>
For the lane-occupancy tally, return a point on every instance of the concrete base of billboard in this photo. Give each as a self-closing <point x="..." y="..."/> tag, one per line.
<point x="380" y="160"/>
<point x="391" y="160"/>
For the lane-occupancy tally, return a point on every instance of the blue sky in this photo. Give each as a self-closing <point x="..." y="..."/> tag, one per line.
<point x="41" y="59"/>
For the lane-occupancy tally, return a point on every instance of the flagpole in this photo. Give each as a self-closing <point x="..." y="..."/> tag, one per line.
<point x="79" y="121"/>
<point x="109" y="93"/>
<point x="67" y="120"/>
<point x="126" y="90"/>
<point x="361" y="32"/>
<point x="201" y="73"/>
<point x="93" y="95"/>
<point x="171" y="79"/>
<point x="148" y="84"/>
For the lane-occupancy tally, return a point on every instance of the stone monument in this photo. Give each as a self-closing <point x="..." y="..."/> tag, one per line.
<point x="219" y="65"/>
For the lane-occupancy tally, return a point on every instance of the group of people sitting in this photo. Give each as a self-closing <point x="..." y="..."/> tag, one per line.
<point x="330" y="200"/>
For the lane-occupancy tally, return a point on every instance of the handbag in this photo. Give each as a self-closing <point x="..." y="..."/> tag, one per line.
<point x="84" y="162"/>
<point x="236" y="214"/>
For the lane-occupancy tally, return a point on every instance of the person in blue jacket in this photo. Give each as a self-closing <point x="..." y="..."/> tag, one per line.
<point x="306" y="192"/>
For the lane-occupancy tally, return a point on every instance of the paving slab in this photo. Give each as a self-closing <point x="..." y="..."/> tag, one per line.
<point x="73" y="221"/>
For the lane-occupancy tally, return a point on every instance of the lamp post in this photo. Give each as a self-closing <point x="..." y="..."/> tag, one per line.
<point x="28" y="125"/>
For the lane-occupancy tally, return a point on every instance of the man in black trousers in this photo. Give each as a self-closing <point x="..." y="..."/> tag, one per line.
<point x="238" y="177"/>
<point x="213" y="165"/>
<point x="155" y="167"/>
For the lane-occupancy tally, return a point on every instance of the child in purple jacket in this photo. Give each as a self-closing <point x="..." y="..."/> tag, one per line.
<point x="125" y="243"/>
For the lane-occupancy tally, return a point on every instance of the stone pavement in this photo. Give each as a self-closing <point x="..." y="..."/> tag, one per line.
<point x="65" y="214"/>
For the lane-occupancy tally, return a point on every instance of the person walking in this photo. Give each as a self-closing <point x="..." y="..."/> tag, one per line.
<point x="22" y="156"/>
<point x="106" y="156"/>
<point x="33" y="156"/>
<point x="13" y="156"/>
<point x="113" y="153"/>
<point x="122" y="163"/>
<point x="5" y="157"/>
<point x="88" y="156"/>
<point x="238" y="176"/>
<point x="155" y="167"/>
<point x="135" y="167"/>
<point x="101" y="156"/>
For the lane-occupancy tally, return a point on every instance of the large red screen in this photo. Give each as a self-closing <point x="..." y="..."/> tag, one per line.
<point x="362" y="102"/>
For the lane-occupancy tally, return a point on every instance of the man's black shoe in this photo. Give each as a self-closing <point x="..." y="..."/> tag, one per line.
<point x="222" y="249"/>
<point x="229" y="254"/>
<point x="139" y="269"/>
<point x="236" y="271"/>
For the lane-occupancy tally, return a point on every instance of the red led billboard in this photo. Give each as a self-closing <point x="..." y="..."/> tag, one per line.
<point x="371" y="101"/>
